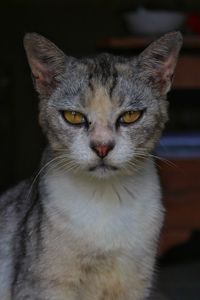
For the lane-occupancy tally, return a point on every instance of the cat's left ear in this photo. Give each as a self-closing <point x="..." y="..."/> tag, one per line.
<point x="46" y="60"/>
<point x="158" y="61"/>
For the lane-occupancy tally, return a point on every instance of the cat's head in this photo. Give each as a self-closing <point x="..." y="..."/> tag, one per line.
<point x="102" y="115"/>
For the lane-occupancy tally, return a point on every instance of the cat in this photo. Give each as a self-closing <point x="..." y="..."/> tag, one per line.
<point x="87" y="226"/>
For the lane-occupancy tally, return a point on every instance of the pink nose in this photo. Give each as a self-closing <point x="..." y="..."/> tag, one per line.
<point x="102" y="150"/>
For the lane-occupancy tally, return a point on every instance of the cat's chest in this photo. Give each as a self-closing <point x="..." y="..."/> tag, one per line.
<point x="108" y="215"/>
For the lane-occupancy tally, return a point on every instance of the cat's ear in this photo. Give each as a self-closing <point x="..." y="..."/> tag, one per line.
<point x="46" y="60"/>
<point x="158" y="61"/>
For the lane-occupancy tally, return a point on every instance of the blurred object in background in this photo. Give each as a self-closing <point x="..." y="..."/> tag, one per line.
<point x="153" y="22"/>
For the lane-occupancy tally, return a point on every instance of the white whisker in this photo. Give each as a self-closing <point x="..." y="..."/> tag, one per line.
<point x="48" y="165"/>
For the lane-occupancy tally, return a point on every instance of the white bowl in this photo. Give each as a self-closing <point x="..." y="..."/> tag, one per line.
<point x="153" y="22"/>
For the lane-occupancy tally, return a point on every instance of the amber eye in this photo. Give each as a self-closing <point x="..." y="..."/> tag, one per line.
<point x="74" y="117"/>
<point x="130" y="117"/>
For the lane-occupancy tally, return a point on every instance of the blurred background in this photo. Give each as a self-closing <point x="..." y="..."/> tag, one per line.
<point x="120" y="27"/>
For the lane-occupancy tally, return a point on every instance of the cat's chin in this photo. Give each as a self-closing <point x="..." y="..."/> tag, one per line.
<point x="103" y="170"/>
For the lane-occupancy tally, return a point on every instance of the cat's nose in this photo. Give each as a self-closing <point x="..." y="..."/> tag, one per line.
<point x="102" y="150"/>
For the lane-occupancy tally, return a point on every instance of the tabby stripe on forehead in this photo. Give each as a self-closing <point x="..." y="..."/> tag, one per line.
<point x="105" y="70"/>
<point x="90" y="84"/>
<point x="114" y="82"/>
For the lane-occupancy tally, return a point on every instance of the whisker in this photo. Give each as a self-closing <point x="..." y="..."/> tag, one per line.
<point x="41" y="170"/>
<point x="143" y="153"/>
<point x="66" y="167"/>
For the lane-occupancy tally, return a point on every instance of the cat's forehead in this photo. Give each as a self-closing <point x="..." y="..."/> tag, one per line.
<point x="99" y="99"/>
<point x="114" y="82"/>
<point x="102" y="84"/>
<point x="105" y="68"/>
<point x="100" y="105"/>
<point x="108" y="81"/>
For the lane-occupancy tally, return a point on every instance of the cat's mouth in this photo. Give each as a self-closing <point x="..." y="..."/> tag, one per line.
<point x="103" y="167"/>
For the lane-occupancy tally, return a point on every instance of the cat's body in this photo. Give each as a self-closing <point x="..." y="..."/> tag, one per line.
<point x="86" y="249"/>
<point x="87" y="227"/>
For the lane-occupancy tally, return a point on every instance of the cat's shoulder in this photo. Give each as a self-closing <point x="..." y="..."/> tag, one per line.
<point x="9" y="197"/>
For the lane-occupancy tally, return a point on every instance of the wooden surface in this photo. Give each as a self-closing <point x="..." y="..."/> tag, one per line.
<point x="181" y="197"/>
<point x="187" y="75"/>
<point x="137" y="42"/>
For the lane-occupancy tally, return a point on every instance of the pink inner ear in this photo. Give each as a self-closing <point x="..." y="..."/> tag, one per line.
<point x="40" y="72"/>
<point x="166" y="73"/>
<point x="168" y="68"/>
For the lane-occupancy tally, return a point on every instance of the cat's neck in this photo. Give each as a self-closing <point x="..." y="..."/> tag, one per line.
<point x="100" y="210"/>
<point x="75" y="190"/>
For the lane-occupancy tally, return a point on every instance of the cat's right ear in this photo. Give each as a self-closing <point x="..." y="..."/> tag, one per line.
<point x="47" y="62"/>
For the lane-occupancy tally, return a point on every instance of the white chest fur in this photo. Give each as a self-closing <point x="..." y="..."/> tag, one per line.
<point x="112" y="214"/>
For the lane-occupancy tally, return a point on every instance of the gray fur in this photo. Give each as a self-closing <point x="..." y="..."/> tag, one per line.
<point x="52" y="248"/>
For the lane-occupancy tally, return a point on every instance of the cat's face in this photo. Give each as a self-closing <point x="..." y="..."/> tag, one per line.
<point x="102" y="115"/>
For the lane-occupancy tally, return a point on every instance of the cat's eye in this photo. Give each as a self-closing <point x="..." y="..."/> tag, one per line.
<point x="130" y="117"/>
<point x="74" y="117"/>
